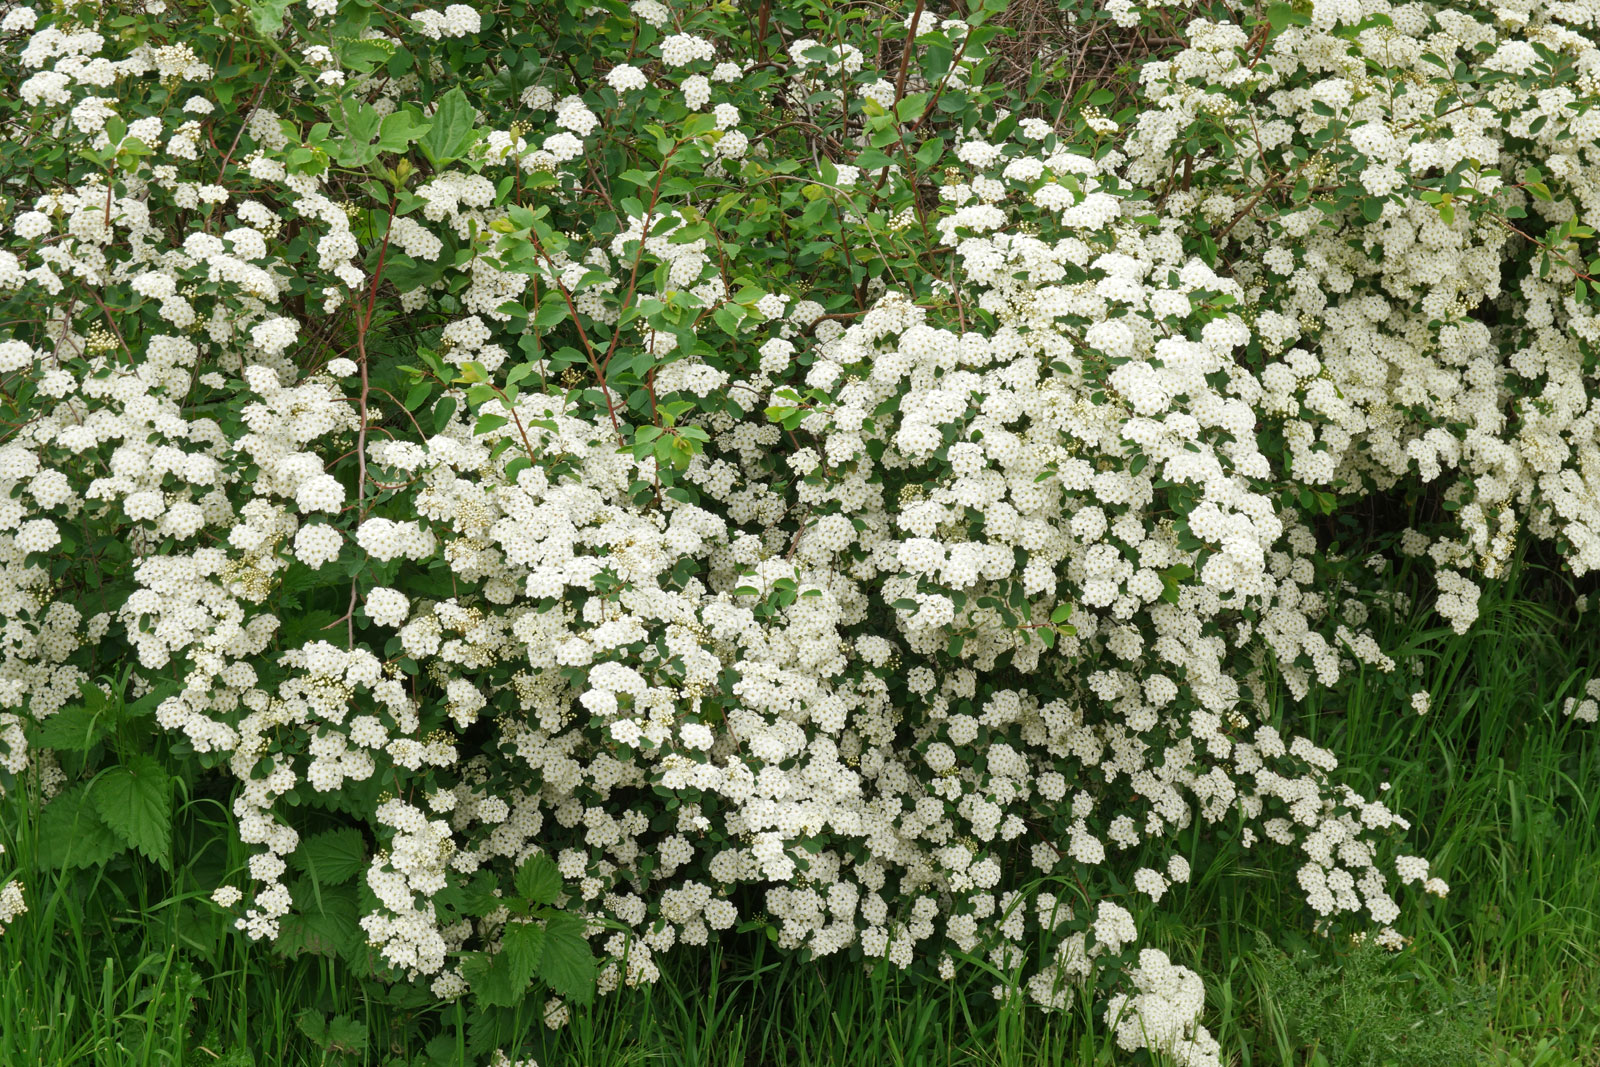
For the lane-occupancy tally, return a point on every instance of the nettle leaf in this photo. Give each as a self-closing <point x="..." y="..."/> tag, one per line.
<point x="538" y="880"/>
<point x="134" y="798"/>
<point x="76" y="729"/>
<point x="72" y="834"/>
<point x="146" y="704"/>
<point x="491" y="979"/>
<point x="323" y="922"/>
<point x="568" y="964"/>
<point x="522" y="945"/>
<point x="331" y="858"/>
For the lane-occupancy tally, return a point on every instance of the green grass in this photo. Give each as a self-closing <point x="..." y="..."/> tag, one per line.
<point x="130" y="964"/>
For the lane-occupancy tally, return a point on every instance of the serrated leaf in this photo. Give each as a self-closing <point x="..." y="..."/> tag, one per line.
<point x="71" y="833"/>
<point x="313" y="1024"/>
<point x="134" y="799"/>
<point x="76" y="729"/>
<point x="490" y="978"/>
<point x="147" y="703"/>
<point x="567" y="964"/>
<point x="522" y="945"/>
<point x="331" y="858"/>
<point x="346" y="1035"/>
<point x="323" y="923"/>
<point x="538" y="880"/>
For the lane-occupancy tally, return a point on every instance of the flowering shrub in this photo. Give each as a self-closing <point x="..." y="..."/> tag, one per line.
<point x="596" y="474"/>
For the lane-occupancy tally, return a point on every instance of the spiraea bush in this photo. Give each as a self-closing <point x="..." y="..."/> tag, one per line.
<point x="594" y="475"/>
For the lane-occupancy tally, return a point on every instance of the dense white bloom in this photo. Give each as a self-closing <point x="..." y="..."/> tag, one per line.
<point x="860" y="574"/>
<point x="457" y="20"/>
<point x="624" y="77"/>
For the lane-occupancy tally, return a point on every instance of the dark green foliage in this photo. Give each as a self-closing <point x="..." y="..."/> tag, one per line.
<point x="1363" y="1009"/>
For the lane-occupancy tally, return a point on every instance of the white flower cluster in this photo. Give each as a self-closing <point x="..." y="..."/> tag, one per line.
<point x="456" y="20"/>
<point x="1164" y="1015"/>
<point x="12" y="903"/>
<point x="984" y="576"/>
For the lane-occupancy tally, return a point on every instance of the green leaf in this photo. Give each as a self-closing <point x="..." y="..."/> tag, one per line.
<point x="417" y="395"/>
<point x="135" y="800"/>
<point x="478" y="896"/>
<point x="360" y="123"/>
<point x="398" y="130"/>
<point x="912" y="106"/>
<point x="322" y="923"/>
<point x="267" y="16"/>
<point x="451" y="133"/>
<point x="1372" y="209"/>
<point x="331" y="858"/>
<point x="1280" y="16"/>
<point x="538" y="880"/>
<point x="71" y="834"/>
<point x="443" y="411"/>
<point x="346" y="1035"/>
<point x="147" y="703"/>
<point x="568" y="965"/>
<point x="490" y="978"/>
<point x="313" y="1024"/>
<point x="551" y="311"/>
<point x="77" y="728"/>
<point x="522" y="945"/>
